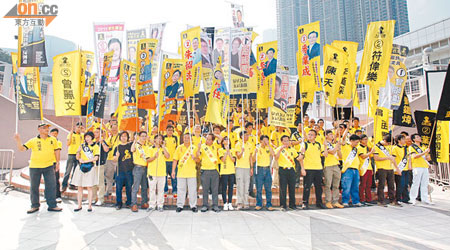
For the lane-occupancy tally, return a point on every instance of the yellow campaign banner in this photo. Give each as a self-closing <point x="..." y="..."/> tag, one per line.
<point x="397" y="74"/>
<point x="377" y="53"/>
<point x="87" y="63"/>
<point x="282" y="113"/>
<point x="348" y="82"/>
<point x="219" y="99"/>
<point x="442" y="141"/>
<point x="240" y="50"/>
<point x="90" y="119"/>
<point x="267" y="54"/>
<point x="144" y="91"/>
<point x="373" y="100"/>
<point x="171" y="91"/>
<point x="309" y="46"/>
<point x="128" y="114"/>
<point x="381" y="124"/>
<point x="191" y="52"/>
<point x="66" y="75"/>
<point x="307" y="92"/>
<point x="334" y="64"/>
<point x="28" y="87"/>
<point x="254" y="74"/>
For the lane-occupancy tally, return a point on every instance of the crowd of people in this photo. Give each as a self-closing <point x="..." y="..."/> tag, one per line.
<point x="343" y="162"/>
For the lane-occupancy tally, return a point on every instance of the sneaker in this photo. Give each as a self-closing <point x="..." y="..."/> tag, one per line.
<point x="429" y="203"/>
<point x="230" y="207"/>
<point x="345" y="204"/>
<point x="134" y="208"/>
<point x="395" y="203"/>
<point x="246" y="207"/>
<point x="257" y="208"/>
<point x="239" y="207"/>
<point x="99" y="203"/>
<point x="357" y="204"/>
<point x="179" y="209"/>
<point x="150" y="209"/>
<point x="161" y="209"/>
<point x="118" y="207"/>
<point x="216" y="209"/>
<point x="407" y="202"/>
<point x="225" y="207"/>
<point x="293" y="208"/>
<point x="305" y="206"/>
<point x="204" y="209"/>
<point x="270" y="208"/>
<point x="321" y="206"/>
<point x="283" y="209"/>
<point x="194" y="209"/>
<point x="58" y="200"/>
<point x="413" y="203"/>
<point x="329" y="205"/>
<point x="144" y="206"/>
<point x="337" y="205"/>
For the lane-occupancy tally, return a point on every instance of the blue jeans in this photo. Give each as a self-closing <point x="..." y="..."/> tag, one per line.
<point x="50" y="186"/>
<point x="174" y="180"/>
<point x="263" y="178"/>
<point x="71" y="164"/>
<point x="402" y="190"/>
<point x="124" y="179"/>
<point x="350" y="186"/>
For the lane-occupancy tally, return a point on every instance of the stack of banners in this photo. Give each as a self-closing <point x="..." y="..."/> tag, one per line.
<point x="267" y="54"/>
<point x="99" y="109"/>
<point x="128" y="114"/>
<point x="219" y="99"/>
<point x="191" y="52"/>
<point x="157" y="32"/>
<point x="109" y="37"/>
<point x="442" y="141"/>
<point x="425" y="121"/>
<point x="236" y="13"/>
<point x="308" y="57"/>
<point x="32" y="46"/>
<point x="347" y="85"/>
<point x="66" y="76"/>
<point x="381" y="124"/>
<point x="206" y="39"/>
<point x="28" y="87"/>
<point x="90" y="119"/>
<point x="240" y="50"/>
<point x="171" y="91"/>
<point x="335" y="61"/>
<point x="87" y="61"/>
<point x="377" y="53"/>
<point x="144" y="92"/>
<point x="402" y="115"/>
<point x="133" y="37"/>
<point x="222" y="48"/>
<point x="443" y="112"/>
<point x="283" y="111"/>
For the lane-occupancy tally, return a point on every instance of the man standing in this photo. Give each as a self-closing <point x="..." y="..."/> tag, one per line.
<point x="208" y="154"/>
<point x="99" y="190"/>
<point x="350" y="172"/>
<point x="332" y="171"/>
<point x="420" y="157"/>
<point x="110" y="166"/>
<point x="402" y="158"/>
<point x="140" y="156"/>
<point x="171" y="141"/>
<point x="263" y="154"/>
<point x="157" y="173"/>
<point x="244" y="150"/>
<point x="185" y="160"/>
<point x="54" y="133"/>
<point x="74" y="140"/>
<point x="44" y="154"/>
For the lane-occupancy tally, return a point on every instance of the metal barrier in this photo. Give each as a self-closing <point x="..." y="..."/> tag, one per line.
<point x="440" y="175"/>
<point x="6" y="166"/>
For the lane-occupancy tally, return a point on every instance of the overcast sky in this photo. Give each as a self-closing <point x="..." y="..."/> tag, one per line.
<point x="75" y="18"/>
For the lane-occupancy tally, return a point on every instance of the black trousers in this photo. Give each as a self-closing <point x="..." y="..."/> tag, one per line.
<point x="384" y="176"/>
<point x="227" y="181"/>
<point x="287" y="179"/>
<point x="58" y="188"/>
<point x="312" y="177"/>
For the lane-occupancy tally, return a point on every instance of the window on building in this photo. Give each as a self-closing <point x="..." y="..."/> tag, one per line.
<point x="443" y="42"/>
<point x="435" y="45"/>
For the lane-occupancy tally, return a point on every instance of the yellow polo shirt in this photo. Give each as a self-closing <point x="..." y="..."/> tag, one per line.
<point x="171" y="145"/>
<point x="331" y="159"/>
<point x="75" y="143"/>
<point x="275" y="137"/>
<point x="386" y="164"/>
<point x="42" y="151"/>
<point x="157" y="168"/>
<point x="313" y="153"/>
<point x="95" y="149"/>
<point x="263" y="156"/>
<point x="346" y="150"/>
<point x="138" y="157"/>
<point x="209" y="157"/>
<point x="244" y="161"/>
<point x="419" y="162"/>
<point x="399" y="152"/>
<point x="186" y="165"/>
<point x="287" y="157"/>
<point x="364" y="150"/>
<point x="227" y="167"/>
<point x="113" y="141"/>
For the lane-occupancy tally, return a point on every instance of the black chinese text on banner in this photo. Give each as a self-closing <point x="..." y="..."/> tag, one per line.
<point x="443" y="112"/>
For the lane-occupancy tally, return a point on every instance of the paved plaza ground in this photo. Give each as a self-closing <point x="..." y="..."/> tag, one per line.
<point x="408" y="227"/>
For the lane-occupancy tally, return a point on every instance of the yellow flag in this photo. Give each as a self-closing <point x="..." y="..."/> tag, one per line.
<point x="381" y="123"/>
<point x="373" y="100"/>
<point x="333" y="64"/>
<point x="377" y="53"/>
<point x="144" y="91"/>
<point x="219" y="98"/>
<point x="191" y="52"/>
<point x="87" y="63"/>
<point x="66" y="83"/>
<point x="128" y="114"/>
<point x="355" y="98"/>
<point x="442" y="141"/>
<point x="253" y="74"/>
<point x="348" y="82"/>
<point x="307" y="92"/>
<point x="309" y="46"/>
<point x="267" y="54"/>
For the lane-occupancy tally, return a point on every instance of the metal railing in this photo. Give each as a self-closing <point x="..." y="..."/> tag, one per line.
<point x="440" y="175"/>
<point x="6" y="166"/>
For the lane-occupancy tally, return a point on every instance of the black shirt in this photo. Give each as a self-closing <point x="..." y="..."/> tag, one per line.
<point x="103" y="155"/>
<point x="125" y="161"/>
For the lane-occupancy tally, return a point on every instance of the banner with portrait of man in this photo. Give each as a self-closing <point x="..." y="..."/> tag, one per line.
<point x="133" y="37"/>
<point x="145" y="91"/>
<point x="282" y="113"/>
<point x="90" y="119"/>
<point x="221" y="49"/>
<point x="128" y="114"/>
<point x="267" y="54"/>
<point x="171" y="91"/>
<point x="208" y="64"/>
<point x="87" y="64"/>
<point x="191" y="52"/>
<point x="31" y="46"/>
<point x="157" y="32"/>
<point x="308" y="37"/>
<point x="27" y="82"/>
<point x="236" y="13"/>
<point x="239" y="55"/>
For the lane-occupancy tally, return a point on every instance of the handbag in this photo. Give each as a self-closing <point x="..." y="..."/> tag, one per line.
<point x="86" y="167"/>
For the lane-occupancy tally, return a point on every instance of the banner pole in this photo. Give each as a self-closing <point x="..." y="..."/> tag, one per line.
<point x="432" y="133"/>
<point x="17" y="106"/>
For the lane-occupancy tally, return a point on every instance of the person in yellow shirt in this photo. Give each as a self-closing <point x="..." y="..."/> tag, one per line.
<point x="157" y="173"/>
<point x="253" y="140"/>
<point x="262" y="155"/>
<point x="384" y="162"/>
<point x="86" y="176"/>
<point x="332" y="171"/>
<point x="286" y="155"/>
<point x="296" y="141"/>
<point x="356" y="126"/>
<point x="140" y="154"/>
<point x="208" y="154"/>
<point x="99" y="190"/>
<point x="184" y="160"/>
<point x="230" y="133"/>
<point x="44" y="154"/>
<point x="275" y="139"/>
<point x="237" y="115"/>
<point x="350" y="172"/>
<point x="320" y="135"/>
<point x="312" y="169"/>
<point x="110" y="166"/>
<point x="420" y="157"/>
<point x="227" y="173"/>
<point x="171" y="142"/>
<point x="54" y="133"/>
<point x="402" y="158"/>
<point x="321" y="124"/>
<point x="197" y="138"/>
<point x="244" y="150"/>
<point x="365" y="170"/>
<point x="74" y="140"/>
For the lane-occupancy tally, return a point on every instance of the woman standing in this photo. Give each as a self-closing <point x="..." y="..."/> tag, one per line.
<point x="86" y="175"/>
<point x="227" y="173"/>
